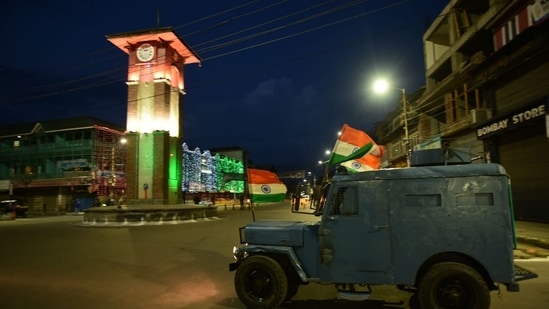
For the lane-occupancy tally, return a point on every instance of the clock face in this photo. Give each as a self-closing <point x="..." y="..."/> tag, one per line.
<point x="145" y="52"/>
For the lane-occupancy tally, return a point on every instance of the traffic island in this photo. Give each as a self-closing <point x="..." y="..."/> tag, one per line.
<point x="6" y="217"/>
<point x="147" y="214"/>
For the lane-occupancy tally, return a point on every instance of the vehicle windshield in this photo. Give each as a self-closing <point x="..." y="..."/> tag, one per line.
<point x="316" y="201"/>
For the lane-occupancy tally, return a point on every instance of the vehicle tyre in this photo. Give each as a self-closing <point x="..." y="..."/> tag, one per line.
<point x="293" y="287"/>
<point x="413" y="302"/>
<point x="452" y="285"/>
<point x="260" y="282"/>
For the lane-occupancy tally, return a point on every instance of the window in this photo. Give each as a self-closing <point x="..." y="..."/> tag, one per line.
<point x="476" y="199"/>
<point x="345" y="202"/>
<point x="338" y="202"/>
<point x="69" y="136"/>
<point x="78" y="135"/>
<point x="423" y="200"/>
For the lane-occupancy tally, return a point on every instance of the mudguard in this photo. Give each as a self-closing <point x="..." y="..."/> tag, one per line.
<point x="263" y="249"/>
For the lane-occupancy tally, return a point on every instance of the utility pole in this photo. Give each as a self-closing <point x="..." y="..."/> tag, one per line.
<point x="406" y="135"/>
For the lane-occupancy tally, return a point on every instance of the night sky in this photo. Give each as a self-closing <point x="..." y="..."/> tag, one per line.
<point x="278" y="78"/>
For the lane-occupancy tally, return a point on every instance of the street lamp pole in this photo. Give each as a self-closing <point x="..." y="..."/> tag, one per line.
<point x="406" y="135"/>
<point x="381" y="86"/>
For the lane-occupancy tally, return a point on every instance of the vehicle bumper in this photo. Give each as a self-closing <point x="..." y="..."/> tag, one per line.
<point x="233" y="266"/>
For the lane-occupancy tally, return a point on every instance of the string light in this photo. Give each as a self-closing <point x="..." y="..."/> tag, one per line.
<point x="204" y="172"/>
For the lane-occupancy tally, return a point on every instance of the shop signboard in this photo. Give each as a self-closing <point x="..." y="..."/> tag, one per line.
<point x="512" y="120"/>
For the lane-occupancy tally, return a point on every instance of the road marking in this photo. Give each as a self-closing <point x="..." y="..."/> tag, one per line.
<point x="532" y="260"/>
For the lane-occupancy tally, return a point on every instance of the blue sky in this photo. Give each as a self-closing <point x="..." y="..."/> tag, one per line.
<point x="278" y="78"/>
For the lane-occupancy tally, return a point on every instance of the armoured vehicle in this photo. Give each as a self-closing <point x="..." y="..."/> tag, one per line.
<point x="445" y="233"/>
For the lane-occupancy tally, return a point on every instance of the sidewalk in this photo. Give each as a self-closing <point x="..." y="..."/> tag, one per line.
<point x="533" y="233"/>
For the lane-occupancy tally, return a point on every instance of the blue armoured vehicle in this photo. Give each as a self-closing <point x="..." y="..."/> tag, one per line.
<point x="446" y="233"/>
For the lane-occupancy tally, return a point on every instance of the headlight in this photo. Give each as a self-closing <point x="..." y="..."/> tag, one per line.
<point x="239" y="253"/>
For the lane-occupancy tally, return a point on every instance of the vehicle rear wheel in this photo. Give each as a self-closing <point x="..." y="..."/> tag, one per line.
<point x="260" y="282"/>
<point x="452" y="285"/>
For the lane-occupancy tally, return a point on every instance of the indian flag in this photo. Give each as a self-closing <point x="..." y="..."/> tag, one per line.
<point x="265" y="187"/>
<point x="356" y="150"/>
<point x="364" y="164"/>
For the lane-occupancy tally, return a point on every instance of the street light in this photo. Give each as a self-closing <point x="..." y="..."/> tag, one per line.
<point x="328" y="153"/>
<point x="381" y="86"/>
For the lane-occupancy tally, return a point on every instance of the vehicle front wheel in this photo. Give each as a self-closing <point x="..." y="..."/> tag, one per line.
<point x="452" y="285"/>
<point x="260" y="282"/>
<point x="293" y="287"/>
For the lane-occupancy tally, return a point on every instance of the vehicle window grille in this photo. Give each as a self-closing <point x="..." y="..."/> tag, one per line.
<point x="476" y="199"/>
<point x="423" y="200"/>
<point x="346" y="202"/>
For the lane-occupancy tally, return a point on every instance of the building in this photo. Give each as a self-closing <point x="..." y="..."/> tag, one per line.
<point x="52" y="163"/>
<point x="486" y="95"/>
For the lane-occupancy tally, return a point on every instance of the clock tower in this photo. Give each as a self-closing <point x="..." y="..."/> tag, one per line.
<point x="154" y="119"/>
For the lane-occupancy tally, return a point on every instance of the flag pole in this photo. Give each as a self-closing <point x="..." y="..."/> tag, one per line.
<point x="326" y="169"/>
<point x="247" y="186"/>
<point x="325" y="178"/>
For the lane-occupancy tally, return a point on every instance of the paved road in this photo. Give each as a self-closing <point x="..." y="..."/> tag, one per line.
<point x="55" y="263"/>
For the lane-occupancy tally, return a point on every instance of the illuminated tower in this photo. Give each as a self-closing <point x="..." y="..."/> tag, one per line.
<point x="155" y="105"/>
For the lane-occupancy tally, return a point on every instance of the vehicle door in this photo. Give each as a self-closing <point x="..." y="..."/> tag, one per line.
<point x="354" y="234"/>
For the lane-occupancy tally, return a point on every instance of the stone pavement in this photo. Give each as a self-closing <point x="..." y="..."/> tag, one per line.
<point x="533" y="233"/>
<point x="533" y="239"/>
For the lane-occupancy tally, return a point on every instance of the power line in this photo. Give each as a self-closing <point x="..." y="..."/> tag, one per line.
<point x="303" y="32"/>
<point x="225" y="22"/>
<point x="217" y="14"/>
<point x="262" y="24"/>
<point x="110" y="80"/>
<point x="258" y="34"/>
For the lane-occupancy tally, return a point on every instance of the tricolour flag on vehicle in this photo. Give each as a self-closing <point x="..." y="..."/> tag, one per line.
<point x="265" y="187"/>
<point x="356" y="150"/>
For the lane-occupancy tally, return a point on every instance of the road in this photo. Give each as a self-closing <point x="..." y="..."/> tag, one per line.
<point x="55" y="262"/>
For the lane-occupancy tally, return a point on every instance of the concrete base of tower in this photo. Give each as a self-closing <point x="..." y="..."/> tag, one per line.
<point x="137" y="214"/>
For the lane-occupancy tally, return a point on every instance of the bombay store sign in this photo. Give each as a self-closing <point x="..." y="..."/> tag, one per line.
<point x="513" y="120"/>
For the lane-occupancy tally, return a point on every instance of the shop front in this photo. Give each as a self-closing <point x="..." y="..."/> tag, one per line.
<point x="519" y="141"/>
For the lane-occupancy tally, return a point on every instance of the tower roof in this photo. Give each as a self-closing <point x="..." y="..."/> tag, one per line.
<point x="165" y="34"/>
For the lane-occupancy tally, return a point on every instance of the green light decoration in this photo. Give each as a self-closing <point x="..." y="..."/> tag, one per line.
<point x="204" y="172"/>
<point x="184" y="183"/>
<point x="174" y="174"/>
<point x="229" y="166"/>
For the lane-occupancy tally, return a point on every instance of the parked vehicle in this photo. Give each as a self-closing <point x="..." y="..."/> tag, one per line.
<point x="18" y="206"/>
<point x="445" y="233"/>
